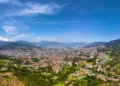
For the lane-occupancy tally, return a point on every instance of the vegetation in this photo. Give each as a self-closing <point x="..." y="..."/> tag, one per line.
<point x="35" y="59"/>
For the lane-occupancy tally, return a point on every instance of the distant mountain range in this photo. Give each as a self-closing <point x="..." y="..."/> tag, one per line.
<point x="17" y="45"/>
<point x="45" y="44"/>
<point x="96" y="44"/>
<point x="52" y="44"/>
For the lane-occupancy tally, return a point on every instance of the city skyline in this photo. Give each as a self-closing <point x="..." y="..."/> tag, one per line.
<point x="59" y="20"/>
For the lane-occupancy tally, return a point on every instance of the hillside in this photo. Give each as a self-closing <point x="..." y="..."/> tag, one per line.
<point x="8" y="79"/>
<point x="114" y="47"/>
<point x="17" y="45"/>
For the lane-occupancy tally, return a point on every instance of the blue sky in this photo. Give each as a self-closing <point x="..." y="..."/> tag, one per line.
<point x="60" y="20"/>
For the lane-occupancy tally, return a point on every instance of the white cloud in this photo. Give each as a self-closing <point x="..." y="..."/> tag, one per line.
<point x="60" y="22"/>
<point x="41" y="9"/>
<point x="18" y="37"/>
<point x="15" y="2"/>
<point x="35" y="8"/>
<point x="17" y="25"/>
<point x="38" y="39"/>
<point x="14" y="38"/>
<point x="10" y="29"/>
<point x="14" y="30"/>
<point x="3" y="39"/>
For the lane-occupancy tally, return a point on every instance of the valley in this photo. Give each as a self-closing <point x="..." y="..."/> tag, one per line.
<point x="62" y="67"/>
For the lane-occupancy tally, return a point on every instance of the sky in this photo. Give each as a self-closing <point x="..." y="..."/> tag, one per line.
<point x="60" y="20"/>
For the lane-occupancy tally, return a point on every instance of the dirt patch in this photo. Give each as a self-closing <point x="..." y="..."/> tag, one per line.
<point x="8" y="79"/>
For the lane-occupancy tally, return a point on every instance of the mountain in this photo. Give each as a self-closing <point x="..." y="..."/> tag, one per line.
<point x="76" y="44"/>
<point x="52" y="44"/>
<point x="45" y="44"/>
<point x="24" y="42"/>
<point x="17" y="45"/>
<point x="49" y="44"/>
<point x="114" y="47"/>
<point x="2" y="42"/>
<point x="113" y="43"/>
<point x="96" y="44"/>
<point x="113" y="51"/>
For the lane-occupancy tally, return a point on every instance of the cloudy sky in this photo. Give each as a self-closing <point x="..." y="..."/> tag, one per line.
<point x="60" y="20"/>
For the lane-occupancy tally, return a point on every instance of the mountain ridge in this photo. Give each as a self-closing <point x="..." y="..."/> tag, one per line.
<point x="48" y="44"/>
